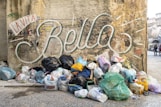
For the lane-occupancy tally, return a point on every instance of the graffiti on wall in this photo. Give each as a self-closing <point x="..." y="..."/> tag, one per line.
<point x="75" y="38"/>
<point x="18" y="25"/>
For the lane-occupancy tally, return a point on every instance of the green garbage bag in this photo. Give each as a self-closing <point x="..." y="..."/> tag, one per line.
<point x="114" y="86"/>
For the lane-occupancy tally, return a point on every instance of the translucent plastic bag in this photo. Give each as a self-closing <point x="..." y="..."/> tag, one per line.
<point x="22" y="78"/>
<point x="25" y="70"/>
<point x="32" y="73"/>
<point x="39" y="76"/>
<point x="7" y="73"/>
<point x="50" y="83"/>
<point x="57" y="73"/>
<point x="114" y="86"/>
<point x="98" y="73"/>
<point x="103" y="63"/>
<point x="129" y="74"/>
<point x="96" y="94"/>
<point x="63" y="83"/>
<point x="115" y="68"/>
<point x="67" y="73"/>
<point x="81" y="93"/>
<point x="154" y="85"/>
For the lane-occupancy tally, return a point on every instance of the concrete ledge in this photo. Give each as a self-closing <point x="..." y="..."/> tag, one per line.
<point x="14" y="83"/>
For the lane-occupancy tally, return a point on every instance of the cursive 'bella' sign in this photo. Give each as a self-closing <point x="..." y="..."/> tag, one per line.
<point x="65" y="43"/>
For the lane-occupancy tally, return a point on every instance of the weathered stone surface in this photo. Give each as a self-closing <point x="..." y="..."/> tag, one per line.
<point x="3" y="33"/>
<point x="126" y="16"/>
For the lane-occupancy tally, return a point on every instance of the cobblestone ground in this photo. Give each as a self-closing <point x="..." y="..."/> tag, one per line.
<point x="38" y="97"/>
<point x="154" y="65"/>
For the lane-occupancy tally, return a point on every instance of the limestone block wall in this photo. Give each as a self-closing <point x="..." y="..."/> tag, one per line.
<point x="121" y="24"/>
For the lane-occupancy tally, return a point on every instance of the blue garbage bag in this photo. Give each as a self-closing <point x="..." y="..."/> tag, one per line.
<point x="7" y="73"/>
<point x="85" y="73"/>
<point x="39" y="76"/>
<point x="73" y="87"/>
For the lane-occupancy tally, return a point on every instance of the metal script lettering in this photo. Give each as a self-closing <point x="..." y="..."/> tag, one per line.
<point x="63" y="48"/>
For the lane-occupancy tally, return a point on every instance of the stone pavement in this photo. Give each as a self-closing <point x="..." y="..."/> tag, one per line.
<point x="154" y="66"/>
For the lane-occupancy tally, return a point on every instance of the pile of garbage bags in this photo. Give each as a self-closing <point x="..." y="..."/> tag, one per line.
<point x="100" y="79"/>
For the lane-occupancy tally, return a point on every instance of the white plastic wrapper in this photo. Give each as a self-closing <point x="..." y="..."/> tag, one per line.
<point x="81" y="93"/>
<point x="95" y="94"/>
<point x="98" y="73"/>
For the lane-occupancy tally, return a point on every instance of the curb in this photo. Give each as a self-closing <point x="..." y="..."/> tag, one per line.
<point x="13" y="83"/>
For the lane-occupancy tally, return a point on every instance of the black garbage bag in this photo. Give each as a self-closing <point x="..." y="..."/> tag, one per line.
<point x="79" y="80"/>
<point x="66" y="61"/>
<point x="38" y="68"/>
<point x="50" y="63"/>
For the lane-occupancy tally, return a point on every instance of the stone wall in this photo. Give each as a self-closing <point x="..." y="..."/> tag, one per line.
<point x="3" y="33"/>
<point x="125" y="19"/>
